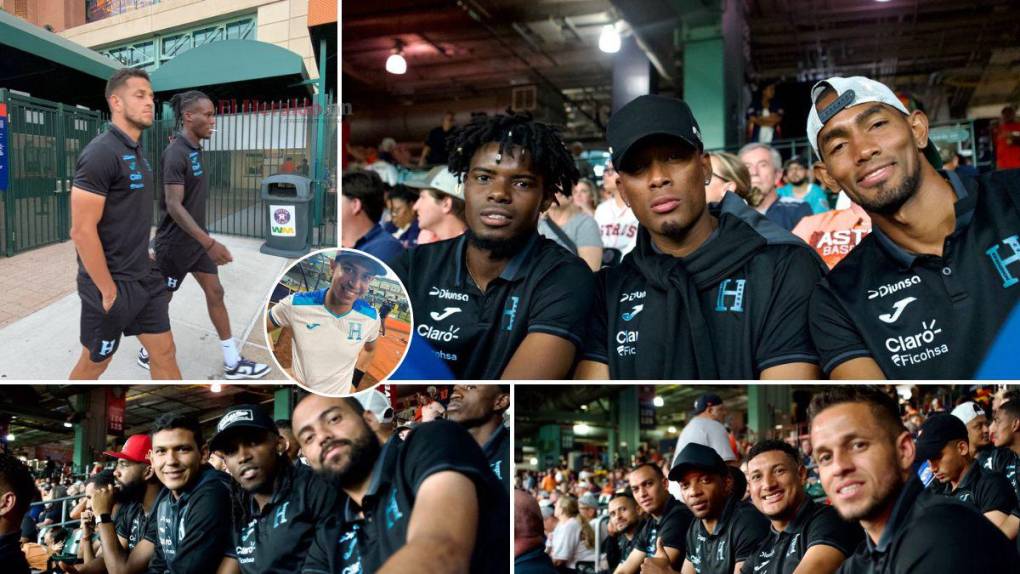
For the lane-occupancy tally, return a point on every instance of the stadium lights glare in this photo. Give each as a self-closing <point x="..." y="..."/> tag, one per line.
<point x="534" y="461"/>
<point x="68" y="425"/>
<point x="10" y="437"/>
<point x="672" y="430"/>
<point x="581" y="428"/>
<point x="609" y="39"/>
<point x="658" y="401"/>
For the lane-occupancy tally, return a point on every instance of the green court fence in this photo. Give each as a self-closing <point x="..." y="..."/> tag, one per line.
<point x="252" y="141"/>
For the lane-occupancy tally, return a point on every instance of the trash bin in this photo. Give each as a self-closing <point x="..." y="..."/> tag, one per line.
<point x="288" y="200"/>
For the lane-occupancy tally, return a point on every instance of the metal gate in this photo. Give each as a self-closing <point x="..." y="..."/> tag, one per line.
<point x="43" y="142"/>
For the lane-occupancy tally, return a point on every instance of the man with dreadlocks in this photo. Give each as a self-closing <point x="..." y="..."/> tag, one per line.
<point x="182" y="243"/>
<point x="708" y="292"/>
<point x="501" y="301"/>
<point x="121" y="292"/>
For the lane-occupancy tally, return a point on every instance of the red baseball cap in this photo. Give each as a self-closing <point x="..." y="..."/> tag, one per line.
<point x="136" y="449"/>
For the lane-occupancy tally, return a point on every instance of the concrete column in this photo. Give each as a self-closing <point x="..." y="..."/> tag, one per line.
<point x="766" y="405"/>
<point x="630" y="422"/>
<point x="548" y="446"/>
<point x="90" y="432"/>
<point x="283" y="404"/>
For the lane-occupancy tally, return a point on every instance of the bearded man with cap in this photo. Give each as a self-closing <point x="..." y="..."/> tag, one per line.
<point x="923" y="296"/>
<point x="334" y="330"/>
<point x="281" y="504"/>
<point x="709" y="291"/>
<point x="943" y="441"/>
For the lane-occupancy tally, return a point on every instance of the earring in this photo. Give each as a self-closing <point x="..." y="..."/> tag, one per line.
<point x="708" y="181"/>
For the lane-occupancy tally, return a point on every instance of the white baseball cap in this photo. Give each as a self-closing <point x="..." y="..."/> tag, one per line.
<point x="439" y="178"/>
<point x="376" y="403"/>
<point x="968" y="411"/>
<point x="854" y="91"/>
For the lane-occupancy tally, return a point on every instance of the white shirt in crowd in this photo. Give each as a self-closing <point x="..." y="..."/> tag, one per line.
<point x="567" y="544"/>
<point x="617" y="226"/>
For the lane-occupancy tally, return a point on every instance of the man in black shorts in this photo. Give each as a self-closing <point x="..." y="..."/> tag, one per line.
<point x="923" y="296"/>
<point x="281" y="504"/>
<point x="865" y="461"/>
<point x="943" y="441"/>
<point x="805" y="536"/>
<point x="182" y="243"/>
<point x="501" y="301"/>
<point x="121" y="291"/>
<point x="708" y="292"/>
<point x="426" y="499"/>
<point x="661" y="542"/>
<point x="727" y="530"/>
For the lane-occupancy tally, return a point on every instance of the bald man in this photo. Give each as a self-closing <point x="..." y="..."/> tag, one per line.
<point x="529" y="537"/>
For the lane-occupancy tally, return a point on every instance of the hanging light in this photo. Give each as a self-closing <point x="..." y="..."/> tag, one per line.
<point x="609" y="39"/>
<point x="658" y="401"/>
<point x="672" y="430"/>
<point x="581" y="428"/>
<point x="396" y="64"/>
<point x="68" y="425"/>
<point x="10" y="437"/>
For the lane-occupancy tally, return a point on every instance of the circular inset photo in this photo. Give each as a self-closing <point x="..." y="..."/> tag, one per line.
<point x="338" y="321"/>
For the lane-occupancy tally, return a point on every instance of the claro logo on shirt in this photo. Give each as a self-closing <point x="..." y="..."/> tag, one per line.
<point x="135" y="175"/>
<point x="917" y="348"/>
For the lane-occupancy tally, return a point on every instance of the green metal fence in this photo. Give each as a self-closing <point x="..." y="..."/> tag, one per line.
<point x="252" y="141"/>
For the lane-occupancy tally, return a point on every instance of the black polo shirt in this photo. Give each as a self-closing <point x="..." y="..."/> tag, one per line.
<point x="740" y="530"/>
<point x="193" y="532"/>
<point x="984" y="489"/>
<point x="130" y="523"/>
<point x="543" y="289"/>
<point x="931" y="533"/>
<point x="1005" y="462"/>
<point x="671" y="527"/>
<point x="182" y="165"/>
<point x="750" y="285"/>
<point x="11" y="555"/>
<point x="276" y="539"/>
<point x="497" y="452"/>
<point x="781" y="552"/>
<point x="114" y="166"/>
<point x="922" y="316"/>
<point x="619" y="547"/>
<point x="361" y="539"/>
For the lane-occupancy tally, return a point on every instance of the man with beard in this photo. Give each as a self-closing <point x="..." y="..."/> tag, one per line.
<point x="426" y="504"/>
<point x="727" y="531"/>
<point x="943" y="442"/>
<point x="182" y="243"/>
<point x="501" y="301"/>
<point x="191" y="525"/>
<point x="121" y="535"/>
<point x="624" y="525"/>
<point x="480" y="409"/>
<point x="662" y="538"/>
<point x="709" y="292"/>
<point x="121" y="292"/>
<point x="798" y="188"/>
<point x="865" y="459"/>
<point x="806" y="537"/>
<point x="974" y="417"/>
<point x="334" y="330"/>
<point x="925" y="294"/>
<point x="281" y="504"/>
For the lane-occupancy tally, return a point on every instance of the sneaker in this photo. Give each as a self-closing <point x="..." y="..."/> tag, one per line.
<point x="143" y="360"/>
<point x="246" y="369"/>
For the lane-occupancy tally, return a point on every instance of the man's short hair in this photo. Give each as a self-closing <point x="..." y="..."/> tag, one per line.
<point x="625" y="495"/>
<point x="777" y="160"/>
<point x="58" y="534"/>
<point x="15" y="477"/>
<point x="170" y="421"/>
<point x="1011" y="409"/>
<point x="403" y="192"/>
<point x="883" y="407"/>
<point x="102" y="479"/>
<point x="283" y="424"/>
<point x="769" y="445"/>
<point x="367" y="187"/>
<point x="654" y="467"/>
<point x="121" y="76"/>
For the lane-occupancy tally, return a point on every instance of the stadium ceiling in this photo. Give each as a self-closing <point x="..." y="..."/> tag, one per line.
<point x="462" y="49"/>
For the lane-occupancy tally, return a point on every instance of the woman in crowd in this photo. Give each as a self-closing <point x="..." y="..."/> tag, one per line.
<point x="573" y="540"/>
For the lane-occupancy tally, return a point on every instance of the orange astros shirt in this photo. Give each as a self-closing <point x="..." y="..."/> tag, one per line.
<point x="835" y="233"/>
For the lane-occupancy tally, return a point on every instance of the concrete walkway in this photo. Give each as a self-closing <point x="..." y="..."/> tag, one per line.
<point x="40" y="338"/>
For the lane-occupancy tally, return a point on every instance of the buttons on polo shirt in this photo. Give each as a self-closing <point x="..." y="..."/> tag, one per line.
<point x="947" y="271"/>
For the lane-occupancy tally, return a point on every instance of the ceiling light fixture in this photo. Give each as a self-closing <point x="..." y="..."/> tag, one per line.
<point x="216" y="387"/>
<point x="658" y="401"/>
<point x="396" y="64"/>
<point x="609" y="39"/>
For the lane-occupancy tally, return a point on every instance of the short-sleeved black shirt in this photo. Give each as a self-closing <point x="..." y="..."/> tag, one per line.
<point x="619" y="546"/>
<point x="931" y="533"/>
<point x="114" y="166"/>
<point x="436" y="141"/>
<point x="755" y="312"/>
<point x="130" y="523"/>
<point x="815" y="524"/>
<point x="984" y="489"/>
<point x="671" y="527"/>
<point x="193" y="532"/>
<point x="923" y="316"/>
<point x="277" y="538"/>
<point x="1005" y="462"/>
<point x="354" y="543"/>
<point x="543" y="289"/>
<point x="497" y="451"/>
<point x="739" y="532"/>
<point x="182" y="165"/>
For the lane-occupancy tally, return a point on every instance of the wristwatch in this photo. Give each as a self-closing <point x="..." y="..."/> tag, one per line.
<point x="104" y="519"/>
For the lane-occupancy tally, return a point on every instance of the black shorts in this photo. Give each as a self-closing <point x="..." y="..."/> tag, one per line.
<point x="141" y="307"/>
<point x="175" y="265"/>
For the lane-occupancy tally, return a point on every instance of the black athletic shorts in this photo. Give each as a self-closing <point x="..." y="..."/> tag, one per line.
<point x="141" y="307"/>
<point x="175" y="266"/>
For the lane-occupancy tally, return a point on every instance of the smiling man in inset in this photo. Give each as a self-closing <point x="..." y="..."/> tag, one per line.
<point x="923" y="296"/>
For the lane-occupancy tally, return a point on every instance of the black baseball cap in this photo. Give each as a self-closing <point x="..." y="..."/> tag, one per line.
<point x="363" y="259"/>
<point x="706" y="400"/>
<point x="238" y="419"/>
<point x="650" y="115"/>
<point x="937" y="432"/>
<point x="697" y="456"/>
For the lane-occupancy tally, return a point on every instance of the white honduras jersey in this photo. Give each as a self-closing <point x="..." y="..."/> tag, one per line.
<point x="326" y="346"/>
